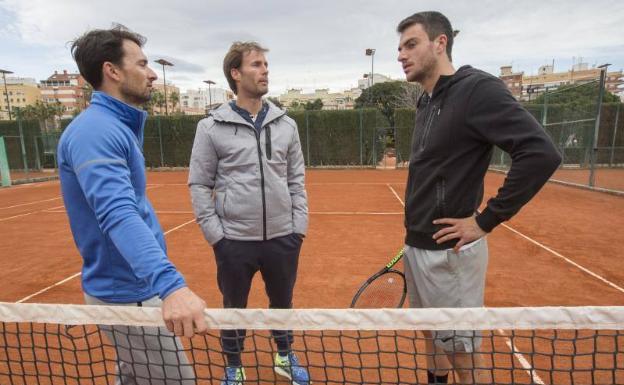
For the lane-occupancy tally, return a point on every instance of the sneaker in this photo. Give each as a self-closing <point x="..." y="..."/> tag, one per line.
<point x="234" y="375"/>
<point x="290" y="368"/>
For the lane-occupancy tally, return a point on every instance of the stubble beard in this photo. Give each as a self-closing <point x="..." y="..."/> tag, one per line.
<point x="428" y="68"/>
<point x="135" y="97"/>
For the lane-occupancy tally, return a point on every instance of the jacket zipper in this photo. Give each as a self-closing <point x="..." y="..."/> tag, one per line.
<point x="264" y="232"/>
<point x="428" y="123"/>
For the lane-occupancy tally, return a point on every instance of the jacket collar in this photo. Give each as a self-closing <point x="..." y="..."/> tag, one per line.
<point x="129" y="115"/>
<point x="225" y="113"/>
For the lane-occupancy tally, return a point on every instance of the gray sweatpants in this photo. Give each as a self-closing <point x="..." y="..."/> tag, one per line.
<point x="443" y="278"/>
<point x="146" y="355"/>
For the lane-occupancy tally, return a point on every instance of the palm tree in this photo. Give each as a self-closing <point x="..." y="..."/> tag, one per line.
<point x="174" y="98"/>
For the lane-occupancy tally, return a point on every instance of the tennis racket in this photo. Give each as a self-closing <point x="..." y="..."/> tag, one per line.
<point x="385" y="289"/>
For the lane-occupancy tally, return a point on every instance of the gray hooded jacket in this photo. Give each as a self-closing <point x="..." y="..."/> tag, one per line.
<point x="247" y="185"/>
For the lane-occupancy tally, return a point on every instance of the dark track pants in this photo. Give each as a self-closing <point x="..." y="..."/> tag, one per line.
<point x="237" y="263"/>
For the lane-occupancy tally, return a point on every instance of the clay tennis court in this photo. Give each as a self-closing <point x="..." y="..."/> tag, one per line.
<point x="562" y="249"/>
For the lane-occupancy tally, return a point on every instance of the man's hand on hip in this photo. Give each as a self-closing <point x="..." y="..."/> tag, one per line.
<point x="183" y="312"/>
<point x="466" y="229"/>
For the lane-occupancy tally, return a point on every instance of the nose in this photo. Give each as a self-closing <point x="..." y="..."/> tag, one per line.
<point x="401" y="56"/>
<point x="151" y="75"/>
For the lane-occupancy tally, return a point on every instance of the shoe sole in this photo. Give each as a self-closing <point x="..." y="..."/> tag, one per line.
<point x="284" y="373"/>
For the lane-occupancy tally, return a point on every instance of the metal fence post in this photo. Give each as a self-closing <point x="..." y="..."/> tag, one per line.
<point x="160" y="142"/>
<point x="615" y="128"/>
<point x="4" y="164"/>
<point x="37" y="158"/>
<point x="594" y="148"/>
<point x="361" y="139"/>
<point x="307" y="121"/>
<point x="22" y="144"/>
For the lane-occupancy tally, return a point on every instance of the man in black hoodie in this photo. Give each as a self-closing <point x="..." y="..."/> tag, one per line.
<point x="460" y="117"/>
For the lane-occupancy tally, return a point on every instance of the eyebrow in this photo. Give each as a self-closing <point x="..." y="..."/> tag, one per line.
<point x="410" y="40"/>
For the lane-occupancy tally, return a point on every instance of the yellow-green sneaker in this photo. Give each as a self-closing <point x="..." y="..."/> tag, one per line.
<point x="289" y="367"/>
<point x="234" y="375"/>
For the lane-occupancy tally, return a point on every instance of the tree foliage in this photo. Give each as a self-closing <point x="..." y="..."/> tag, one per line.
<point x="317" y="104"/>
<point x="388" y="96"/>
<point x="275" y="101"/>
<point x="575" y="95"/>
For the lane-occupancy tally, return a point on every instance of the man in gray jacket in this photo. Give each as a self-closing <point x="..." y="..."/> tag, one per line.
<point x="247" y="187"/>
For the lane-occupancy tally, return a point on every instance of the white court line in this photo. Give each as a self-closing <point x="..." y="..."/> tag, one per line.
<point x="523" y="361"/>
<point x="31" y="203"/>
<point x="48" y="288"/>
<point x="179" y="227"/>
<point x="571" y="262"/>
<point x="77" y="274"/>
<point x="568" y="260"/>
<point x="19" y="216"/>
<point x="395" y="194"/>
<point x="28" y="185"/>
<point x="50" y="210"/>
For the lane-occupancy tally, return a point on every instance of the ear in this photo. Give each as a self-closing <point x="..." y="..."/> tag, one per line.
<point x="235" y="74"/>
<point x="442" y="41"/>
<point x="110" y="71"/>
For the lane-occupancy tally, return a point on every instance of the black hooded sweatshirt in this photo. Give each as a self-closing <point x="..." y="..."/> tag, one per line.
<point x="456" y="130"/>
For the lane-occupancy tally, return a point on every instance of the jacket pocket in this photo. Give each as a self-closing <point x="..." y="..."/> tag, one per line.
<point x="241" y="198"/>
<point x="279" y="202"/>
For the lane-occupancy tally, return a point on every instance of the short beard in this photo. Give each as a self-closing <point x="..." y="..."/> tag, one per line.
<point x="426" y="72"/>
<point x="135" y="98"/>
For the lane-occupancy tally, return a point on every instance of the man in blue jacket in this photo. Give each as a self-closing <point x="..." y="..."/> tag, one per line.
<point x="102" y="173"/>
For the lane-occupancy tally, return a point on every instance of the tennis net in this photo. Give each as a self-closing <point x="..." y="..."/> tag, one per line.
<point x="61" y="344"/>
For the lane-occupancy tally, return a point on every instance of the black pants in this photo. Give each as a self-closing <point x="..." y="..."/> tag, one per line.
<point x="237" y="262"/>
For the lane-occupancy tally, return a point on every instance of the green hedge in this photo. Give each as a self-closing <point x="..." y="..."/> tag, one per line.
<point x="341" y="138"/>
<point x="175" y="134"/>
<point x="404" y="120"/>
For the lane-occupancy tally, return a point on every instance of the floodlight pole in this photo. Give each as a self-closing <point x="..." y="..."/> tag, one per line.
<point x="371" y="52"/>
<point x="209" y="82"/>
<point x="164" y="63"/>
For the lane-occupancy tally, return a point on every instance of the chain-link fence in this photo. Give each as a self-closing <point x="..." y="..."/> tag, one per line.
<point x="593" y="154"/>
<point x="29" y="152"/>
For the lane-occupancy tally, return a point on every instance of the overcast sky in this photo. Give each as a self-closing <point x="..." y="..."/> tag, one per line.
<point x="313" y="44"/>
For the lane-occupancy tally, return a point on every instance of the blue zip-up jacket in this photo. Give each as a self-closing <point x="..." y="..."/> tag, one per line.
<point x="102" y="173"/>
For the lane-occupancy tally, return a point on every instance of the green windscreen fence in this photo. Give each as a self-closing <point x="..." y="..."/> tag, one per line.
<point x="572" y="127"/>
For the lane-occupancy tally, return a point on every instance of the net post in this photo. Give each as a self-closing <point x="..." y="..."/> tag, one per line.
<point x="4" y="165"/>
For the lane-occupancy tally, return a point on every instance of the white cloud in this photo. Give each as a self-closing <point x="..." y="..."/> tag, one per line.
<point x="320" y="43"/>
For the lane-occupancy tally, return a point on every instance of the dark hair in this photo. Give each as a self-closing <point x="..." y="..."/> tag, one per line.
<point x="234" y="59"/>
<point x="434" y="23"/>
<point x="94" y="48"/>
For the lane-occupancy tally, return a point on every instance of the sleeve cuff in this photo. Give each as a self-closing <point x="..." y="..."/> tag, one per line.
<point x="487" y="220"/>
<point x="173" y="286"/>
